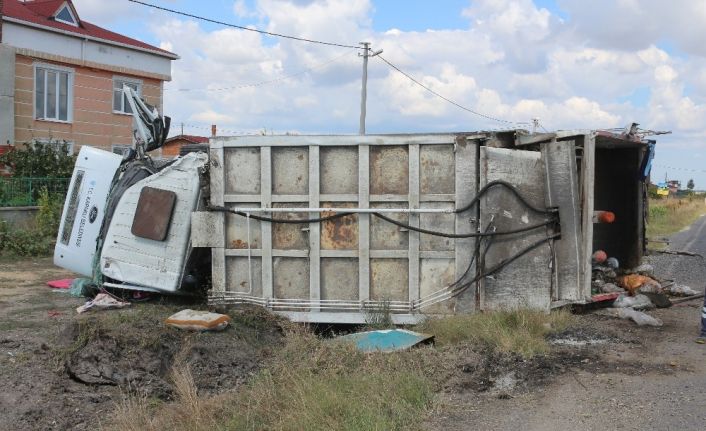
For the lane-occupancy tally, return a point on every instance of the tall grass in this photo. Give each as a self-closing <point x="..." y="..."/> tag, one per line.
<point x="517" y="331"/>
<point x="668" y="216"/>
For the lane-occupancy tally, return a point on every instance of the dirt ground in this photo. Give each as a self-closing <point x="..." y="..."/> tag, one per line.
<point x="63" y="371"/>
<point x="59" y="370"/>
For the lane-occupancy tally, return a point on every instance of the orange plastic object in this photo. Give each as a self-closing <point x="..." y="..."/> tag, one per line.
<point x="633" y="282"/>
<point x="603" y="217"/>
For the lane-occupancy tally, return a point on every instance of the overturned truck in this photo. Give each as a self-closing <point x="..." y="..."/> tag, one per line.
<point x="333" y="228"/>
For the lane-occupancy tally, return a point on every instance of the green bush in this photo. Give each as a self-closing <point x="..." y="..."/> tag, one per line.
<point x="39" y="239"/>
<point x="40" y="160"/>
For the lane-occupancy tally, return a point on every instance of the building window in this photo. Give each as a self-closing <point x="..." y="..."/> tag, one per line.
<point x="66" y="16"/>
<point x="53" y="92"/>
<point x="120" y="149"/>
<point x="120" y="103"/>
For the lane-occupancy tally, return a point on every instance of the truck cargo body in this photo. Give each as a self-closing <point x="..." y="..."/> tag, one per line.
<point x="343" y="270"/>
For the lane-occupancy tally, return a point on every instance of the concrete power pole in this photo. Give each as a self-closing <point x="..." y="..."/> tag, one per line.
<point x="364" y="86"/>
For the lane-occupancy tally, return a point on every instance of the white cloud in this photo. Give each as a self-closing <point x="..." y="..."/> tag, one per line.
<point x="605" y="65"/>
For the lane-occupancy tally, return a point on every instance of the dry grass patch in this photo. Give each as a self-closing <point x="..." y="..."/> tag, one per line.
<point x="668" y="216"/>
<point x="518" y="331"/>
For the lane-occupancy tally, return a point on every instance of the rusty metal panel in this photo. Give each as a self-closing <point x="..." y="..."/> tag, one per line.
<point x="239" y="272"/>
<point x="237" y="232"/>
<point x="242" y="171"/>
<point x="153" y="213"/>
<point x="387" y="236"/>
<point x="290" y="171"/>
<point x="389" y="279"/>
<point x="287" y="236"/>
<point x="339" y="170"/>
<point x="339" y="278"/>
<point x="526" y="282"/>
<point x="290" y="277"/>
<point x="340" y="233"/>
<point x="389" y="170"/>
<point x="437" y="222"/>
<point x="436" y="175"/>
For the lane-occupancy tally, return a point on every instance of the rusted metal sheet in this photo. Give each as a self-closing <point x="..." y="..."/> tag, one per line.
<point x="286" y="236"/>
<point x="340" y="233"/>
<point x="153" y="214"/>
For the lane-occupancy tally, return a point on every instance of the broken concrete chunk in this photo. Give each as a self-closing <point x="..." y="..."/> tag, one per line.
<point x="198" y="320"/>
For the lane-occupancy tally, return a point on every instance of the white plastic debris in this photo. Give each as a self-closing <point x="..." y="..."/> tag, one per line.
<point x="637" y="302"/>
<point x="651" y="286"/>
<point x="638" y="317"/>
<point x="681" y="290"/>
<point x="102" y="301"/>
<point x="198" y="320"/>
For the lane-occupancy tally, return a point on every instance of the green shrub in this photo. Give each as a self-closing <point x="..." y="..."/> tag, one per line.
<point x="39" y="239"/>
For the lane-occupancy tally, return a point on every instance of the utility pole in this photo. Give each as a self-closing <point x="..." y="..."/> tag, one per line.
<point x="364" y="87"/>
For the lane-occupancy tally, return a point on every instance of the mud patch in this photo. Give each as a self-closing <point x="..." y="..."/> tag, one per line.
<point x="135" y="351"/>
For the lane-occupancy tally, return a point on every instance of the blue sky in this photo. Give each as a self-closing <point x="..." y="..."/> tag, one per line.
<point x="572" y="63"/>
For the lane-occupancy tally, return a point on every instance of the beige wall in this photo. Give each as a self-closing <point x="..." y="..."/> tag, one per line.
<point x="93" y="123"/>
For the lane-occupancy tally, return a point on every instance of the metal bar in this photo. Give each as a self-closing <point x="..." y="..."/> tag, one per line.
<point x="266" y="228"/>
<point x="364" y="223"/>
<point x="413" y="290"/>
<point x="346" y="210"/>
<point x="314" y="228"/>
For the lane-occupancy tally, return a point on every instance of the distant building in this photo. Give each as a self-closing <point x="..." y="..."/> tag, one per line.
<point x="172" y="146"/>
<point x="61" y="77"/>
<point x="674" y="186"/>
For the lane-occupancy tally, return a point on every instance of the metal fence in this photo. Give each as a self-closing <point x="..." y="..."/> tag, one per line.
<point x="17" y="192"/>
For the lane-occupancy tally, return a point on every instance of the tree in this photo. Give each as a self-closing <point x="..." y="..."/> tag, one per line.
<point x="40" y="160"/>
<point x="690" y="184"/>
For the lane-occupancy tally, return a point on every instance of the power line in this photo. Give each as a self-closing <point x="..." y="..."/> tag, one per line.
<point x="240" y="27"/>
<point x="679" y="169"/>
<point x="261" y="83"/>
<point x="458" y="105"/>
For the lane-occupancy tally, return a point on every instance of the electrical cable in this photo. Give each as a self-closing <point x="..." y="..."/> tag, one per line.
<point x="458" y="105"/>
<point x="502" y="264"/>
<point x="512" y="189"/>
<point x="473" y="202"/>
<point x="278" y="220"/>
<point x="383" y="217"/>
<point x="462" y="235"/>
<point x="240" y="27"/>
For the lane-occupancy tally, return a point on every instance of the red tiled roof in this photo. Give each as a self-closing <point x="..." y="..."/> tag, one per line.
<point x="42" y="12"/>
<point x="191" y="138"/>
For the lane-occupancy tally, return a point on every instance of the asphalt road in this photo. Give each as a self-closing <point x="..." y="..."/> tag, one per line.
<point x="687" y="270"/>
